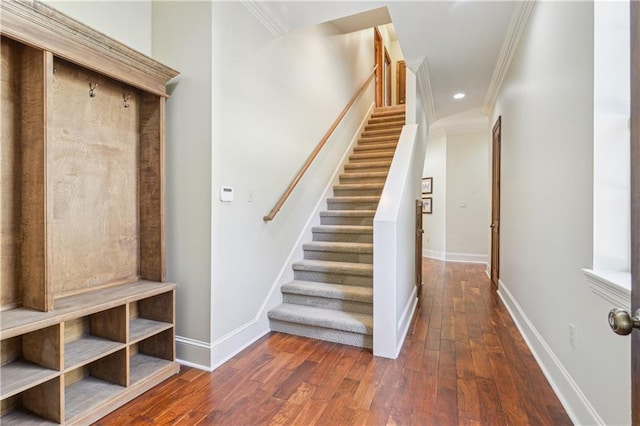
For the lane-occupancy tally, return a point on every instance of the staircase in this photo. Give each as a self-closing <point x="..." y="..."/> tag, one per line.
<point x="331" y="297"/>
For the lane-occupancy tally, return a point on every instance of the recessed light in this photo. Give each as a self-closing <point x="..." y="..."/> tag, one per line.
<point x="459" y="95"/>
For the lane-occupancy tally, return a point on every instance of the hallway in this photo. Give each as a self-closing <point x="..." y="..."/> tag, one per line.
<point x="464" y="362"/>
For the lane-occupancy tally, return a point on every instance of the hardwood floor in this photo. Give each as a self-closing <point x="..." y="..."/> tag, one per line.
<point x="464" y="362"/>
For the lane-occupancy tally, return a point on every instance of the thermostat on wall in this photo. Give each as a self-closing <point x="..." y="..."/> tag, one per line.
<point x="226" y="194"/>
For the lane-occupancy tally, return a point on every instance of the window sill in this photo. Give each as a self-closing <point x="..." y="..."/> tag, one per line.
<point x="612" y="286"/>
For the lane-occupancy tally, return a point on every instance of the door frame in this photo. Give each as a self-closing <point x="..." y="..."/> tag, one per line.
<point x="635" y="206"/>
<point x="496" y="143"/>
<point x="401" y="82"/>
<point x="377" y="52"/>
<point x="419" y="233"/>
<point x="387" y="78"/>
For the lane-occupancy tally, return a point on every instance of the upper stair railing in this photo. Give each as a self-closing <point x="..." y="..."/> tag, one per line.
<point x="316" y="151"/>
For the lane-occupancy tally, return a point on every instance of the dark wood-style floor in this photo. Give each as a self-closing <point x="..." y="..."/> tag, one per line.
<point x="463" y="362"/>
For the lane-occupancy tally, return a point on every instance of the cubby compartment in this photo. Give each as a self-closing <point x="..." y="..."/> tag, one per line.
<point x="94" y="336"/>
<point x="150" y="316"/>
<point x="37" y="405"/>
<point x="29" y="360"/>
<point x="90" y="386"/>
<point x="151" y="354"/>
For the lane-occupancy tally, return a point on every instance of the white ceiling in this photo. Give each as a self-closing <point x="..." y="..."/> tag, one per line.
<point x="459" y="41"/>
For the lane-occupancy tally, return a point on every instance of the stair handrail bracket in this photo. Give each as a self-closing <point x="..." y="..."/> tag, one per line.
<point x="318" y="148"/>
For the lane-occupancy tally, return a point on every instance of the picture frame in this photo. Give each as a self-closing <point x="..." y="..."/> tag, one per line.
<point x="427" y="185"/>
<point x="427" y="205"/>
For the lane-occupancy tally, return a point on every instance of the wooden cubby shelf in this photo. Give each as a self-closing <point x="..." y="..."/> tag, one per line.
<point x="93" y="371"/>
<point x="87" y="320"/>
<point x="19" y="375"/>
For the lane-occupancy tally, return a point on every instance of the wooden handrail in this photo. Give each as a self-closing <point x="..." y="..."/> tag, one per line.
<point x="316" y="151"/>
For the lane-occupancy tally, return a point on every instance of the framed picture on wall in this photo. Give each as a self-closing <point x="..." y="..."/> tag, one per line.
<point x="427" y="185"/>
<point x="426" y="205"/>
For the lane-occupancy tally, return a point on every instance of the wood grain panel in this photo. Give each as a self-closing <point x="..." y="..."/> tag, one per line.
<point x="152" y="251"/>
<point x="35" y="90"/>
<point x="94" y="182"/>
<point x="75" y="329"/>
<point x="159" y="346"/>
<point x="10" y="349"/>
<point x="113" y="368"/>
<point x="9" y="404"/>
<point x="158" y="308"/>
<point x="10" y="289"/>
<point x="44" y="400"/>
<point x="111" y="324"/>
<point x="43" y="347"/>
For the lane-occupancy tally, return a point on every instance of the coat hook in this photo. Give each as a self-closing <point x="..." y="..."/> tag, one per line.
<point x="126" y="98"/>
<point x="55" y="69"/>
<point x="92" y="88"/>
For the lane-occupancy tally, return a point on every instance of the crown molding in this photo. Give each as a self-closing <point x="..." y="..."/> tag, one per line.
<point x="424" y="87"/>
<point x="518" y="23"/>
<point x="265" y="15"/>
<point x="44" y="27"/>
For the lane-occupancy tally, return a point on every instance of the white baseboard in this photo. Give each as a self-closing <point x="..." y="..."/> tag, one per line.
<point x="405" y="319"/>
<point x="455" y="257"/>
<point x="193" y="353"/>
<point x="572" y="398"/>
<point x="466" y="258"/>
<point x="432" y="254"/>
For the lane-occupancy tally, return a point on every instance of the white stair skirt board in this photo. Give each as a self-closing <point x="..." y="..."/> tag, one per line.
<point x="573" y="400"/>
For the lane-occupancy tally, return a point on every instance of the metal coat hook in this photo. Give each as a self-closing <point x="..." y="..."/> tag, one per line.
<point x="92" y="88"/>
<point x="125" y="102"/>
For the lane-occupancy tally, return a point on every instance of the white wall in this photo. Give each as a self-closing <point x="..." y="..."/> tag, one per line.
<point x="459" y="164"/>
<point x="273" y="100"/>
<point x="467" y="197"/>
<point x="547" y="108"/>
<point x="434" y="240"/>
<point x="188" y="168"/>
<point x="126" y="21"/>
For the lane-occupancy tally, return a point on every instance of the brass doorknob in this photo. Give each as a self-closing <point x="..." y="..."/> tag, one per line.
<point x="622" y="323"/>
